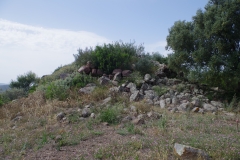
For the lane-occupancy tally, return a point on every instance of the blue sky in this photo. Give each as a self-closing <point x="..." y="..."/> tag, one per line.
<point x="41" y="35"/>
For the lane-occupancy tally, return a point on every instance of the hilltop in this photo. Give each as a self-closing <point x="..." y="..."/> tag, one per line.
<point x="140" y="116"/>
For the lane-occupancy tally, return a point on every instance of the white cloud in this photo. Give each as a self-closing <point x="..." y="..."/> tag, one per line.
<point x="158" y="47"/>
<point x="26" y="48"/>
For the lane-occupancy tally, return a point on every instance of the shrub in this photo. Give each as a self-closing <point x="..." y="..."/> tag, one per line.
<point x="81" y="80"/>
<point x="25" y="81"/>
<point x="160" y="90"/>
<point x="109" y="114"/>
<point x="158" y="57"/>
<point x="110" y="56"/>
<point x="145" y="66"/>
<point x="57" y="90"/>
<point x="11" y="94"/>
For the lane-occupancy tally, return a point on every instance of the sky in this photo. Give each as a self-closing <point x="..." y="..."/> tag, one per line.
<point x="41" y="35"/>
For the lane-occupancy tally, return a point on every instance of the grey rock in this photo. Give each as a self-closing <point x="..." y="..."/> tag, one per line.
<point x="60" y="116"/>
<point x="117" y="77"/>
<point x="196" y="103"/>
<point x="127" y="119"/>
<point x="133" y="109"/>
<point x="168" y="101"/>
<point x="87" y="90"/>
<point x="162" y="103"/>
<point x="209" y="107"/>
<point x="132" y="87"/>
<point x="147" y="77"/>
<point x="175" y="101"/>
<point x="104" y="80"/>
<point x="86" y="112"/>
<point x="185" y="106"/>
<point x="105" y="101"/>
<point x="115" y="83"/>
<point x="189" y="153"/>
<point x="217" y="104"/>
<point x="138" y="121"/>
<point x="92" y="115"/>
<point x="195" y="109"/>
<point x="149" y="94"/>
<point x="134" y="96"/>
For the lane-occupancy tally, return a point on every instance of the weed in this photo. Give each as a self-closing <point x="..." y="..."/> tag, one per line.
<point x="160" y="90"/>
<point x="110" y="115"/>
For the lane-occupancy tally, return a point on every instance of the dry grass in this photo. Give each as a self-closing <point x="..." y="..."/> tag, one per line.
<point x="34" y="134"/>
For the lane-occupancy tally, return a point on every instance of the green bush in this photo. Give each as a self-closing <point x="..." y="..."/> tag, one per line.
<point x="160" y="58"/>
<point x="160" y="90"/>
<point x="57" y="90"/>
<point x="109" y="115"/>
<point x="110" y="56"/>
<point x="25" y="81"/>
<point x="145" y="66"/>
<point x="11" y="94"/>
<point x="81" y="80"/>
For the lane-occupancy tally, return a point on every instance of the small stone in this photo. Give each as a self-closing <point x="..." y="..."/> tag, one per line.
<point x="138" y="121"/>
<point x="195" y="109"/>
<point x="133" y="108"/>
<point x="127" y="119"/>
<point x="163" y="103"/>
<point x="60" y="116"/>
<point x="92" y="115"/>
<point x="58" y="138"/>
<point x="147" y="77"/>
<point x="86" y="112"/>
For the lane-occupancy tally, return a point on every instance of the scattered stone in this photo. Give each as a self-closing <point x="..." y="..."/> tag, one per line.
<point x="60" y="116"/>
<point x="126" y="73"/>
<point x="209" y="107"/>
<point x="168" y="101"/>
<point x="134" y="96"/>
<point x="18" y="118"/>
<point x="92" y="115"/>
<point x="138" y="121"/>
<point x="58" y="138"/>
<point x="189" y="153"/>
<point x="104" y="80"/>
<point x="87" y="89"/>
<point x="163" y="103"/>
<point x="195" y="109"/>
<point x="127" y="119"/>
<point x="86" y="112"/>
<point x="133" y="109"/>
<point x="147" y="77"/>
<point x="117" y="77"/>
<point x="105" y="101"/>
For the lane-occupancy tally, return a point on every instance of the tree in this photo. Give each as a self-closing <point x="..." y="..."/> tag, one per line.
<point x="25" y="81"/>
<point x="209" y="44"/>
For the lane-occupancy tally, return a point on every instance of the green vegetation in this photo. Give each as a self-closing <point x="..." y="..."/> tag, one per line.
<point x="25" y="81"/>
<point x="207" y="48"/>
<point x="110" y="115"/>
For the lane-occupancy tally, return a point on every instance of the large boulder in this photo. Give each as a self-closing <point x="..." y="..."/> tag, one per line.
<point x="115" y="71"/>
<point x="84" y="69"/>
<point x="126" y="73"/>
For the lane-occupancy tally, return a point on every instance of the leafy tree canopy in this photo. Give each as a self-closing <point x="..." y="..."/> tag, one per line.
<point x="209" y="45"/>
